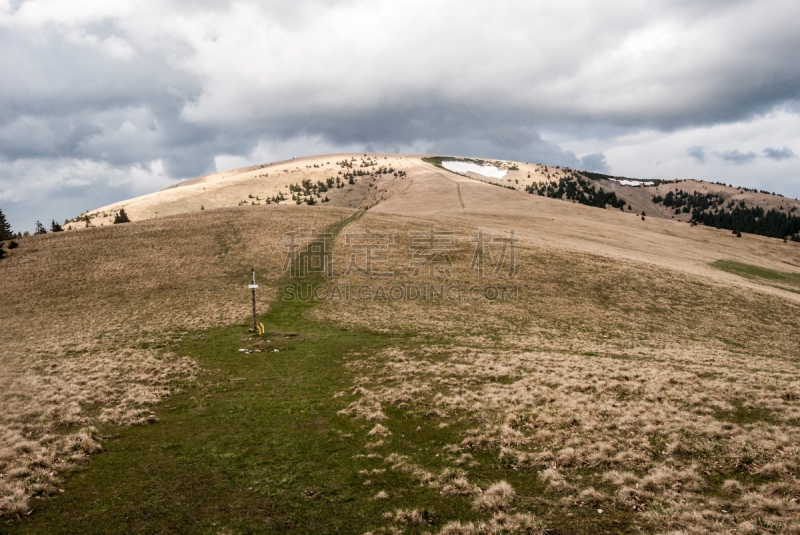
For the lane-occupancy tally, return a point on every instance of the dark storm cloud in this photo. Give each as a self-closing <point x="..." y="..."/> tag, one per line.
<point x="595" y="162"/>
<point x="698" y="153"/>
<point x="779" y="154"/>
<point x="736" y="157"/>
<point x="59" y="82"/>
<point x="499" y="81"/>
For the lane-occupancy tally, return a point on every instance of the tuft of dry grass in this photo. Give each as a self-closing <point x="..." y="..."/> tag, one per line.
<point x="380" y="431"/>
<point x="497" y="497"/>
<point x="407" y="516"/>
<point x="512" y="524"/>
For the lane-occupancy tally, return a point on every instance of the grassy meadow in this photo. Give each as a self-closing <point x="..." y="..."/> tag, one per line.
<point x="614" y="396"/>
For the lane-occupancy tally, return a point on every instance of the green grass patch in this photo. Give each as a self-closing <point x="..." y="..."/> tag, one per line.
<point x="781" y="279"/>
<point x="744" y="414"/>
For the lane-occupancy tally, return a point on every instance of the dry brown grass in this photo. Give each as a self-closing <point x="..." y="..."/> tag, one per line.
<point x="657" y="431"/>
<point x="51" y="407"/>
<point x="252" y="185"/>
<point x="512" y="524"/>
<point x="676" y="391"/>
<point x="570" y="300"/>
<point x="76" y="306"/>
<point x="497" y="497"/>
<point x="626" y="357"/>
<point x="182" y="272"/>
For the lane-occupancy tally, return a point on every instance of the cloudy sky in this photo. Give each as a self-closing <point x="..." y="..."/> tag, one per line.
<point x="102" y="101"/>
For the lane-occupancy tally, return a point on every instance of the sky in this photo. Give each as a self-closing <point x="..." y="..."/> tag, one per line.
<point x="104" y="101"/>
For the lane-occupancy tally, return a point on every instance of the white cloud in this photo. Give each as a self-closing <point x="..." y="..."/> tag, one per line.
<point x="654" y="154"/>
<point x="57" y="174"/>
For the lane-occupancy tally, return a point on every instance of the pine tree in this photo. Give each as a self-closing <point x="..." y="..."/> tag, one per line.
<point x="121" y="217"/>
<point x="5" y="228"/>
<point x="40" y="228"/>
<point x="55" y="227"/>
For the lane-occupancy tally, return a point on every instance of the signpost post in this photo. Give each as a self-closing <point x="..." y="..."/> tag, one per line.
<point x="253" y="287"/>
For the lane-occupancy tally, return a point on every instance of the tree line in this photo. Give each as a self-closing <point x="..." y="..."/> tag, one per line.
<point x="578" y="189"/>
<point x="707" y="209"/>
<point x="774" y="224"/>
<point x="685" y="202"/>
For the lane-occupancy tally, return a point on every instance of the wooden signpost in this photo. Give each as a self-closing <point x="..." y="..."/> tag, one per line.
<point x="253" y="287"/>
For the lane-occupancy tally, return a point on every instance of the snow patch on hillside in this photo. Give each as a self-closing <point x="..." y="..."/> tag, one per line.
<point x="488" y="171"/>
<point x="633" y="182"/>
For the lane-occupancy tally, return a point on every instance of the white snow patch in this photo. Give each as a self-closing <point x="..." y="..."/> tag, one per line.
<point x="488" y="171"/>
<point x="633" y="182"/>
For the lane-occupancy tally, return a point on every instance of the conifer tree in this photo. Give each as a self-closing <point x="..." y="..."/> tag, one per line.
<point x="121" y="217"/>
<point x="5" y="228"/>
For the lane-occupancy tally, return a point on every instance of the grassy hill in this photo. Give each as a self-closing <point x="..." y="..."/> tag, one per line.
<point x="362" y="181"/>
<point x="643" y="379"/>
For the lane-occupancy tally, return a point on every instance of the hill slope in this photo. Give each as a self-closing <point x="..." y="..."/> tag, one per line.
<point x="647" y="368"/>
<point x="367" y="180"/>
